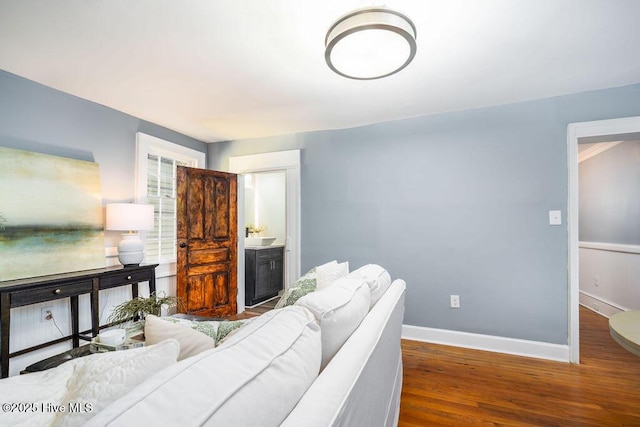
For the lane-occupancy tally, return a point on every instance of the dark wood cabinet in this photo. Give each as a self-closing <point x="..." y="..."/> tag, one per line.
<point x="21" y="292"/>
<point x="264" y="273"/>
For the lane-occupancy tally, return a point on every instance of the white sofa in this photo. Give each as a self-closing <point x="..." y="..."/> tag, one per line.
<point x="362" y="383"/>
<point x="316" y="363"/>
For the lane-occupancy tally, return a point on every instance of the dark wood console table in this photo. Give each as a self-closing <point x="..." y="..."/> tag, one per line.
<point x="21" y="292"/>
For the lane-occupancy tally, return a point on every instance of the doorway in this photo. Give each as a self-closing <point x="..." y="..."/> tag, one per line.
<point x="596" y="131"/>
<point x="287" y="162"/>
<point x="265" y="209"/>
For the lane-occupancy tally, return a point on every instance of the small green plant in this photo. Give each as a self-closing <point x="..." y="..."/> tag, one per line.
<point x="140" y="307"/>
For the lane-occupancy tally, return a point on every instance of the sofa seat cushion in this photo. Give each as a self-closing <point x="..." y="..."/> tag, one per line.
<point x="254" y="378"/>
<point x="376" y="277"/>
<point x="339" y="309"/>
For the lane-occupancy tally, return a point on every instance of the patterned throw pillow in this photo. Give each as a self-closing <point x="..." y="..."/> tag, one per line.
<point x="300" y="288"/>
<point x="226" y="328"/>
<point x="216" y="330"/>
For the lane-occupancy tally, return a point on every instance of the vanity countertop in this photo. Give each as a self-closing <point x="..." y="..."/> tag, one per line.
<point x="264" y="247"/>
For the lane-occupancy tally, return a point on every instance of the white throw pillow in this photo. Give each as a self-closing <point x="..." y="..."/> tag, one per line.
<point x="99" y="379"/>
<point x="82" y="386"/>
<point x="194" y="336"/>
<point x="254" y="379"/>
<point x="329" y="273"/>
<point x="339" y="309"/>
<point x="38" y="388"/>
<point x="191" y="341"/>
<point x="376" y="277"/>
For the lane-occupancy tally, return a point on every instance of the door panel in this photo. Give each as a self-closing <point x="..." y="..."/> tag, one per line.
<point x="221" y="292"/>
<point x="221" y="214"/>
<point x="204" y="256"/>
<point x="207" y="241"/>
<point x="194" y="213"/>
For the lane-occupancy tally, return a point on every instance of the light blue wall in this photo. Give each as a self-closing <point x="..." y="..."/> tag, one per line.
<point x="610" y="196"/>
<point x="37" y="118"/>
<point x="454" y="203"/>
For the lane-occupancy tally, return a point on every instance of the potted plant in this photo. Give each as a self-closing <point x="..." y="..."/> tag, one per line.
<point x="138" y="308"/>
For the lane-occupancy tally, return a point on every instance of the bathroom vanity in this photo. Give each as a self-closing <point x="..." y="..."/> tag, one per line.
<point x="264" y="273"/>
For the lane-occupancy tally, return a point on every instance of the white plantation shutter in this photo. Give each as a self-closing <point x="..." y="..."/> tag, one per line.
<point x="161" y="193"/>
<point x="157" y="161"/>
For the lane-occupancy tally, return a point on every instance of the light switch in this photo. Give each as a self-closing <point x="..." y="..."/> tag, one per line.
<point x="555" y="217"/>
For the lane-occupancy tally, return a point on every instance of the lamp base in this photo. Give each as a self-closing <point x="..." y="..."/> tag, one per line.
<point x="130" y="250"/>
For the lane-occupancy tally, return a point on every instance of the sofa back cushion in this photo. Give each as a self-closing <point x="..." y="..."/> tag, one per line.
<point x="362" y="384"/>
<point x="254" y="378"/>
<point x="339" y="309"/>
<point x="376" y="277"/>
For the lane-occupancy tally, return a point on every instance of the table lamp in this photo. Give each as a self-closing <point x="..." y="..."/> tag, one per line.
<point x="130" y="217"/>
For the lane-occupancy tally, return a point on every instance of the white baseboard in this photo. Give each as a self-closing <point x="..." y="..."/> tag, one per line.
<point x="518" y="347"/>
<point x="600" y="305"/>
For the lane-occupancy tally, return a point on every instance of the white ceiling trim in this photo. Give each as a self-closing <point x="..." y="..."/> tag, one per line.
<point x="596" y="149"/>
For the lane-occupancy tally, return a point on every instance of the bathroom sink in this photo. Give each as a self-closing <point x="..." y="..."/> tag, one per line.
<point x="259" y="241"/>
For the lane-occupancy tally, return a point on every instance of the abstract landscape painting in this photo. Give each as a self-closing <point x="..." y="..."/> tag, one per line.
<point x="50" y="215"/>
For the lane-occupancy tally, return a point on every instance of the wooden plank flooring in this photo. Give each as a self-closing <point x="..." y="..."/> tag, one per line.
<point x="454" y="386"/>
<point x="256" y="310"/>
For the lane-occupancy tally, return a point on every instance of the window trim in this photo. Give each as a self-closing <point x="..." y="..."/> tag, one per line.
<point x="145" y="145"/>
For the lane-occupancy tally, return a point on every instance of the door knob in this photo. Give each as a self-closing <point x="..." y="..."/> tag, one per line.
<point x="183" y="245"/>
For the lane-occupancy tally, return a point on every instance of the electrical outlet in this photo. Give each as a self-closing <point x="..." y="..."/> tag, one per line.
<point x="596" y="282"/>
<point x="455" y="301"/>
<point x="596" y="307"/>
<point x="46" y="313"/>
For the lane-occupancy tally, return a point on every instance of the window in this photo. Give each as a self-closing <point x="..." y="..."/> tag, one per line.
<point x="160" y="243"/>
<point x="157" y="160"/>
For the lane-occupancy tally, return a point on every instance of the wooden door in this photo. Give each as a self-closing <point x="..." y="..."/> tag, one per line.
<point x="207" y="237"/>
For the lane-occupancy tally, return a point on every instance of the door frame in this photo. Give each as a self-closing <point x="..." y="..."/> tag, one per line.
<point x="289" y="162"/>
<point x="592" y="132"/>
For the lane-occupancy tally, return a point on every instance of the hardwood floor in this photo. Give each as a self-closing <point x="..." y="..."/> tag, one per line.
<point x="256" y="310"/>
<point x="453" y="386"/>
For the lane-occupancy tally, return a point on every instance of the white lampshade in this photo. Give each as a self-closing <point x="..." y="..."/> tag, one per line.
<point x="370" y="43"/>
<point x="130" y="217"/>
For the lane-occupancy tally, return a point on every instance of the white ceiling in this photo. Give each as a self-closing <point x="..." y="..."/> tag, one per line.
<point x="219" y="70"/>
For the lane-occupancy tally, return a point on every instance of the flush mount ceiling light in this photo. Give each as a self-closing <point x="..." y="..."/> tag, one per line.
<point x="370" y="43"/>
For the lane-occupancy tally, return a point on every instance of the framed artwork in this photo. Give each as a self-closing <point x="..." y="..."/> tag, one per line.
<point x="50" y="215"/>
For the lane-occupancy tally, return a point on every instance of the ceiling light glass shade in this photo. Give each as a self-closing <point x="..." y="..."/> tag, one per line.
<point x="370" y="43"/>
